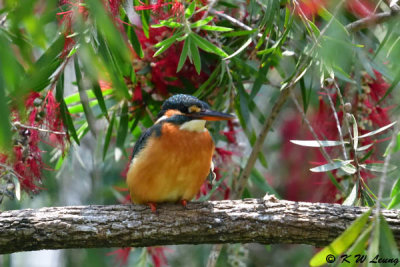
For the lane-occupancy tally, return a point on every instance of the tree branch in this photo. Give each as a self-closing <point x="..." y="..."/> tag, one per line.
<point x="372" y="20"/>
<point x="266" y="221"/>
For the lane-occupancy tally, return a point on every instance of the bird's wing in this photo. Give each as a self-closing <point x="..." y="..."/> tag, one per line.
<point x="140" y="144"/>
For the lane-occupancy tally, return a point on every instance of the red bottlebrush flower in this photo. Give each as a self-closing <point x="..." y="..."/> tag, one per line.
<point x="29" y="102"/>
<point x="377" y="115"/>
<point x="114" y="6"/>
<point x="163" y="67"/>
<point x="121" y="255"/>
<point x="360" y="8"/>
<point x="309" y="8"/>
<point x="104" y="85"/>
<point x="32" y="117"/>
<point x="137" y="93"/>
<point x="154" y="7"/>
<point x="67" y="18"/>
<point x="377" y="86"/>
<point x="158" y="255"/>
<point x="226" y="155"/>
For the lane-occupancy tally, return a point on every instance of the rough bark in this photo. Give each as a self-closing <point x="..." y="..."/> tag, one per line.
<point x="267" y="221"/>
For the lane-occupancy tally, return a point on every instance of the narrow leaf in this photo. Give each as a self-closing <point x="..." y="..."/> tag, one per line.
<point x="243" y="47"/>
<point x="378" y="130"/>
<point x="351" y="199"/>
<point x="357" y="248"/>
<point x="330" y="166"/>
<point x="208" y="46"/>
<point x="395" y="188"/>
<point x="349" y="169"/>
<point x="183" y="56"/>
<point x="99" y="95"/>
<point x="190" y="10"/>
<point x="313" y="143"/>
<point x="108" y="136"/>
<point x="216" y="28"/>
<point x="194" y="51"/>
<point x="123" y="127"/>
<point x="363" y="148"/>
<point x="377" y="167"/>
<point x="341" y="243"/>
<point x="201" y="22"/>
<point x="388" y="246"/>
<point x="355" y="132"/>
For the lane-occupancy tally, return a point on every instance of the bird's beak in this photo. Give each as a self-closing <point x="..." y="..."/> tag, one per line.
<point x="211" y="115"/>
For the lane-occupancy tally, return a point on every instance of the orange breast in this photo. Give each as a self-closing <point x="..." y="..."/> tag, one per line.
<point x="171" y="167"/>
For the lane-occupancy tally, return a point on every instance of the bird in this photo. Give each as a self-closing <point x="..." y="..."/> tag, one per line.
<point x="173" y="158"/>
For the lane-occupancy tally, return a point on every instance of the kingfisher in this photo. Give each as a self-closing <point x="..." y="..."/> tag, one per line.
<point x="173" y="158"/>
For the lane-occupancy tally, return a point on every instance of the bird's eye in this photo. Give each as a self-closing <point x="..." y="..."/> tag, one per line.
<point x="194" y="109"/>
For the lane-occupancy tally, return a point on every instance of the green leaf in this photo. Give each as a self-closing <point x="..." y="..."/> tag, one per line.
<point x="107" y="28"/>
<point x="331" y="166"/>
<point x="168" y="41"/>
<point x="190" y="10"/>
<point x="239" y="33"/>
<point x="377" y="131"/>
<point x="349" y="169"/>
<point x="184" y="53"/>
<point x="314" y="143"/>
<point x="83" y="96"/>
<point x="216" y="28"/>
<point x="357" y="248"/>
<point x="207" y="46"/>
<point x="335" y="182"/>
<point x="314" y="28"/>
<point x="374" y="245"/>
<point x="355" y="132"/>
<point x="396" y="188"/>
<point x="351" y="199"/>
<point x="123" y="127"/>
<point x="108" y="136"/>
<point x="99" y="95"/>
<point x="201" y="22"/>
<point x="65" y="114"/>
<point x="17" y="189"/>
<point x="341" y="243"/>
<point x="135" y="42"/>
<point x="363" y="148"/>
<point x="5" y="126"/>
<point x="243" y="47"/>
<point x="394" y="202"/>
<point x="377" y="167"/>
<point x="165" y="46"/>
<point x="195" y="55"/>
<point x="388" y="246"/>
<point x="167" y="23"/>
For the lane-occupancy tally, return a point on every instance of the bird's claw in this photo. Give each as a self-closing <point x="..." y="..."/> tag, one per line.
<point x="184" y="202"/>
<point x="153" y="206"/>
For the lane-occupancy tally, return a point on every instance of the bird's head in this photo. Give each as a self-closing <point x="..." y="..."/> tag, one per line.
<point x="186" y="109"/>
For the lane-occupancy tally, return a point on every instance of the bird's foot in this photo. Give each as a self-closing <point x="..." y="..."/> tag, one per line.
<point x="184" y="202"/>
<point x="153" y="206"/>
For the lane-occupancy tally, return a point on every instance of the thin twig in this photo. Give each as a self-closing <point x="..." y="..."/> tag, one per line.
<point x="214" y="254"/>
<point x="210" y="6"/>
<point x="346" y="121"/>
<point x="385" y="170"/>
<point x="337" y="123"/>
<point x="20" y="125"/>
<point x="10" y="169"/>
<point x="3" y="19"/>
<point x="300" y="110"/>
<point x="243" y="178"/>
<point x="238" y="23"/>
<point x="372" y="20"/>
